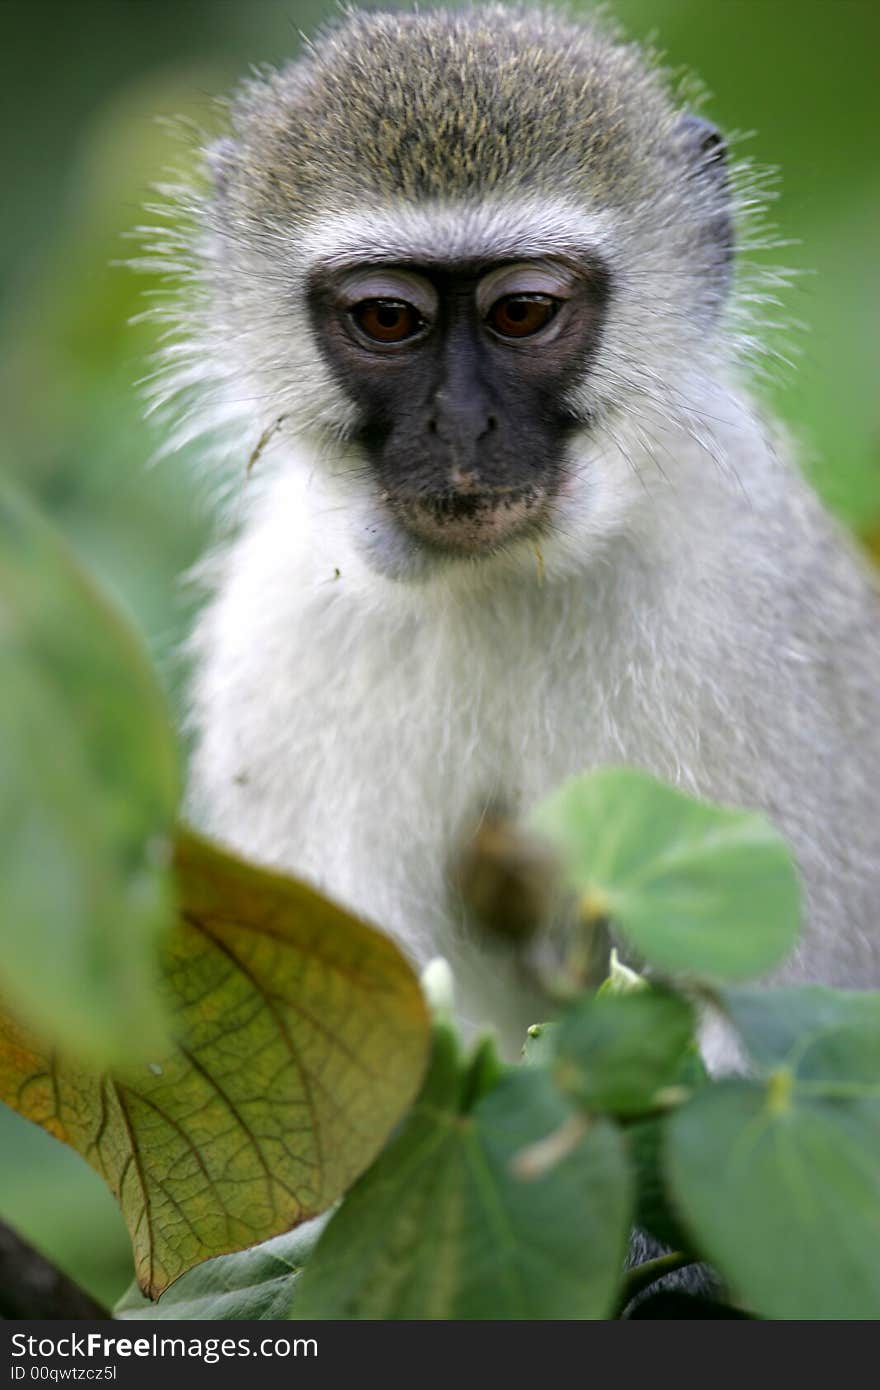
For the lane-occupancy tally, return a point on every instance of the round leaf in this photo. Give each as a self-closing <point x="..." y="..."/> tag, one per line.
<point x="819" y="1033"/>
<point x="616" y="1051"/>
<point x="698" y="889"/>
<point x="782" y="1192"/>
<point x="443" y="1225"/>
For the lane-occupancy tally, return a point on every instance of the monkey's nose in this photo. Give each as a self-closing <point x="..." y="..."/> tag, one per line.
<point x="461" y="422"/>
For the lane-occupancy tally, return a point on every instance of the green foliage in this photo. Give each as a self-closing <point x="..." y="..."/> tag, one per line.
<point x="781" y="1176"/>
<point x="616" y="1052"/>
<point x="508" y="1191"/>
<point x="446" y="1225"/>
<point x="63" y="1208"/>
<point x="697" y="889"/>
<point x="300" y="1038"/>
<point x="824" y="1035"/>
<point x="88" y="795"/>
<point x="781" y="1189"/>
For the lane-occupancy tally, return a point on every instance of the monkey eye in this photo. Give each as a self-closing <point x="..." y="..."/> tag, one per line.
<point x="521" y="315"/>
<point x="387" y="320"/>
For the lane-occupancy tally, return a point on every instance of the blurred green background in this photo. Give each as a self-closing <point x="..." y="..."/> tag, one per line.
<point x="82" y="84"/>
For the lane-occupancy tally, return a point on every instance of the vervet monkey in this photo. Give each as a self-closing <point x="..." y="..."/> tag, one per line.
<point x="461" y="292"/>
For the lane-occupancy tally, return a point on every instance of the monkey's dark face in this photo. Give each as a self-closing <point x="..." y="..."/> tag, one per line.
<point x="460" y="374"/>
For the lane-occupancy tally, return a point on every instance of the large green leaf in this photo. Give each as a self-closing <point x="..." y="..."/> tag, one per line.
<point x="822" y="1034"/>
<point x="446" y="1226"/>
<point x="615" y="1052"/>
<point x="88" y="793"/>
<point x="255" y="1283"/>
<point x="781" y="1187"/>
<point x="781" y="1178"/>
<point x="699" y="890"/>
<point x="302" y="1039"/>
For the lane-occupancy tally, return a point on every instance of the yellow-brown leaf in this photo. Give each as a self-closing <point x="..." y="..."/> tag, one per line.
<point x="301" y="1039"/>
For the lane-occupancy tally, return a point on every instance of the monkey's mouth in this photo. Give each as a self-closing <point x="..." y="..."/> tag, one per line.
<point x="470" y="522"/>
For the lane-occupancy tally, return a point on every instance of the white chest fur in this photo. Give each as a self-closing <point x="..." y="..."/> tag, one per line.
<point x="350" y="726"/>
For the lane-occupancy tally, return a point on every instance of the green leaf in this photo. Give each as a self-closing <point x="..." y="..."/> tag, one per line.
<point x="255" y="1283"/>
<point x="782" y="1191"/>
<point x="302" y="1040"/>
<point x="444" y="1225"/>
<point x="615" y="1052"/>
<point x="699" y="890"/>
<point x="819" y="1033"/>
<point x="88" y="794"/>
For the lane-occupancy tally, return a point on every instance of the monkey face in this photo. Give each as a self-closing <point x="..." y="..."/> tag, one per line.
<point x="474" y="264"/>
<point x="459" y="374"/>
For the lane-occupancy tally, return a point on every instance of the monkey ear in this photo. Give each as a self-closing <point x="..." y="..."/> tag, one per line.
<point x="705" y="152"/>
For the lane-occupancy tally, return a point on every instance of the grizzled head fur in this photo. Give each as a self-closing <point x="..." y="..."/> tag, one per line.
<point x="485" y="103"/>
<point x="445" y="105"/>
